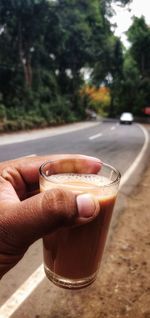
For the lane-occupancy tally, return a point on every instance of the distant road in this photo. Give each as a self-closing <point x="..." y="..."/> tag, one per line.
<point x="116" y="144"/>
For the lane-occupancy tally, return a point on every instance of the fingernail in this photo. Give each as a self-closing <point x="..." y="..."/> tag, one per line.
<point x="86" y="205"/>
<point x="5" y="174"/>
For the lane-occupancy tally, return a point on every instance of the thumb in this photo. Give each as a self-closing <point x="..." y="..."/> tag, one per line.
<point x="45" y="212"/>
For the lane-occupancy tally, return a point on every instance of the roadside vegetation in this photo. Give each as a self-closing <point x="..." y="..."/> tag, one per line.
<point x="46" y="50"/>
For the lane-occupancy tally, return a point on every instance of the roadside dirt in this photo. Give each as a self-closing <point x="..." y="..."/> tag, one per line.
<point x="122" y="288"/>
<point x="125" y="283"/>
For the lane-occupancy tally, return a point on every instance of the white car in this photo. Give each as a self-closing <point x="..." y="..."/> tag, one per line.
<point x="126" y="118"/>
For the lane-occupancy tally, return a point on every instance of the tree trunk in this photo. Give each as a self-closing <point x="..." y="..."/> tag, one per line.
<point x="28" y="73"/>
<point x="25" y="61"/>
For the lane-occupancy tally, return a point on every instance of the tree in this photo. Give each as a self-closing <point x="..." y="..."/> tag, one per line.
<point x="129" y="86"/>
<point x="44" y="48"/>
<point x="108" y="68"/>
<point x="139" y="36"/>
<point x="74" y="35"/>
<point x="23" y="26"/>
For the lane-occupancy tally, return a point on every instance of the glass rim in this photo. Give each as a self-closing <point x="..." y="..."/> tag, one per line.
<point x="117" y="179"/>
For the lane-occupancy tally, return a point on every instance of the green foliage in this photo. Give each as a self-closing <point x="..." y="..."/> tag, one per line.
<point x="137" y="66"/>
<point x="127" y="73"/>
<point x="2" y="112"/>
<point x="139" y="36"/>
<point x="46" y="39"/>
<point x="44" y="46"/>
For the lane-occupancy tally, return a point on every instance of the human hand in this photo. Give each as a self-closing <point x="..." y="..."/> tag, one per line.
<point x="27" y="215"/>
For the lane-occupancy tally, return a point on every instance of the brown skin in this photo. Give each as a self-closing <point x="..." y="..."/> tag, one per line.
<point x="27" y="215"/>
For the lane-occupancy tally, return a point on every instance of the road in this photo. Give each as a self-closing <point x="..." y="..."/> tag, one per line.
<point x="116" y="144"/>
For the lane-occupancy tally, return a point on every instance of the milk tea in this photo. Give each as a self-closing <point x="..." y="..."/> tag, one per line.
<point x="75" y="252"/>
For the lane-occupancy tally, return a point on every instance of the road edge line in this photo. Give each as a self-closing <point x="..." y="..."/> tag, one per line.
<point x="22" y="293"/>
<point x="139" y="157"/>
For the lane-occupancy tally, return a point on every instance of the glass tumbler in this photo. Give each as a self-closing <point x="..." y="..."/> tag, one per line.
<point x="72" y="254"/>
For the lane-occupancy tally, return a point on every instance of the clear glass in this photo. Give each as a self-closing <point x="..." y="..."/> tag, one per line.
<point x="72" y="254"/>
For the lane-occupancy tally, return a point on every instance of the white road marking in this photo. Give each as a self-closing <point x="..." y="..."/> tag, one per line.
<point x="113" y="127"/>
<point x="100" y="134"/>
<point x="25" y="290"/>
<point x="95" y="136"/>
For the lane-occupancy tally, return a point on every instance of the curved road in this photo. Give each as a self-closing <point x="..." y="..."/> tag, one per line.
<point x="116" y="144"/>
<point x="111" y="142"/>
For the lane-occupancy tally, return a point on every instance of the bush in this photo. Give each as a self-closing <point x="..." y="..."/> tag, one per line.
<point x="58" y="111"/>
<point x="47" y="114"/>
<point x="11" y="125"/>
<point x="31" y="112"/>
<point x="2" y="112"/>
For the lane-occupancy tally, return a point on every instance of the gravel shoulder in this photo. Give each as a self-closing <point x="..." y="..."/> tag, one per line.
<point x="125" y="283"/>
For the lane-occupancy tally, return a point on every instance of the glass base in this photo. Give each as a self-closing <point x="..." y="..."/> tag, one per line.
<point x="69" y="283"/>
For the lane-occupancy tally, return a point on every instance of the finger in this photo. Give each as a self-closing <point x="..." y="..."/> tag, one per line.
<point x="8" y="194"/>
<point x="25" y="171"/>
<point x="28" y="167"/>
<point x="15" y="178"/>
<point x="43" y="213"/>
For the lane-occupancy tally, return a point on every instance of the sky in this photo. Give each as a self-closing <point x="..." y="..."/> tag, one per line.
<point x="123" y="17"/>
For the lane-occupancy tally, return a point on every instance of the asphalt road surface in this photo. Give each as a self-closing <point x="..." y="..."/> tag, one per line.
<point x="113" y="143"/>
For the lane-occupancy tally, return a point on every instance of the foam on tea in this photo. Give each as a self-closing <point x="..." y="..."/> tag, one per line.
<point x="79" y="183"/>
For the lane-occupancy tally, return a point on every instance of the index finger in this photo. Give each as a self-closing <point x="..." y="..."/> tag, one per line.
<point x="28" y="167"/>
<point x="25" y="171"/>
